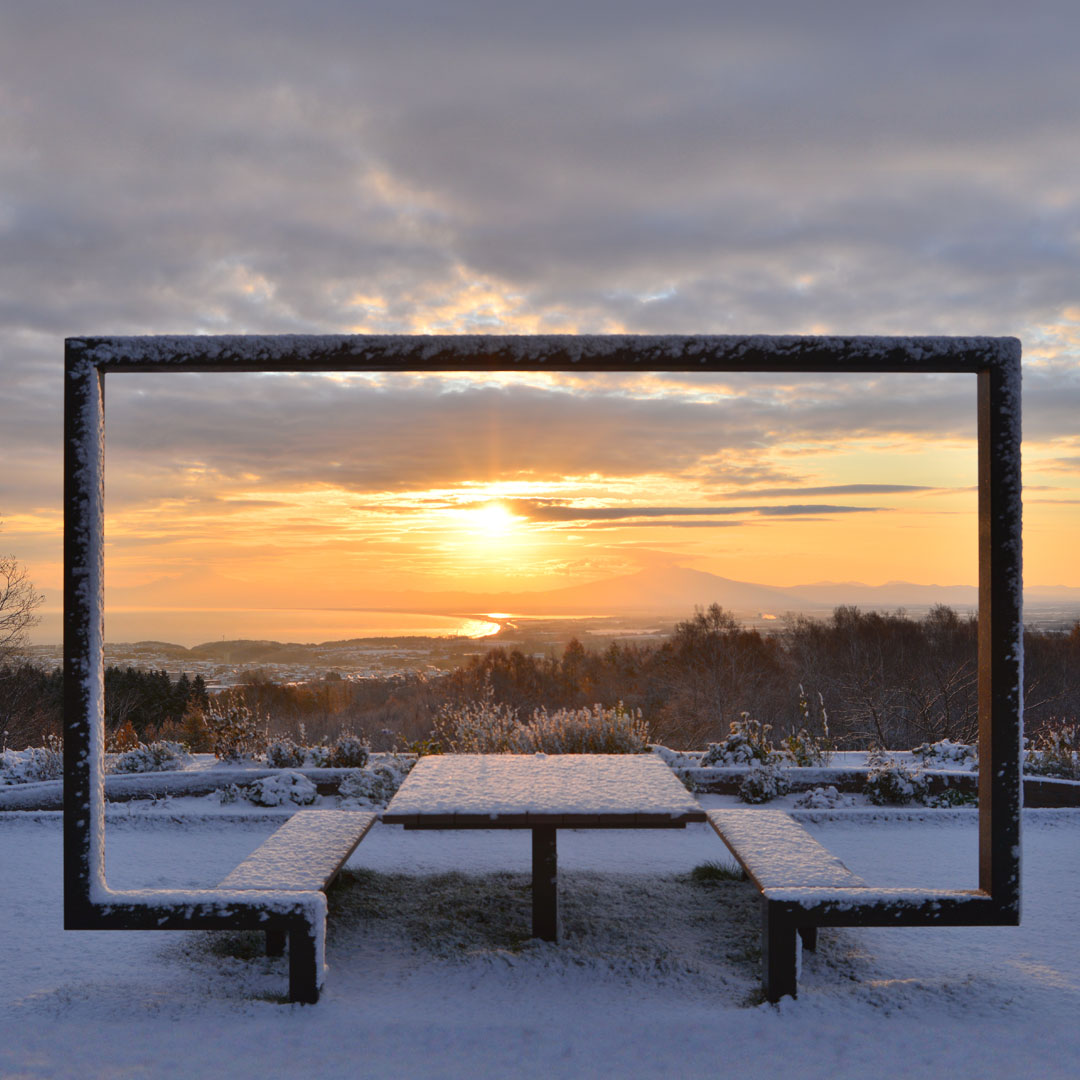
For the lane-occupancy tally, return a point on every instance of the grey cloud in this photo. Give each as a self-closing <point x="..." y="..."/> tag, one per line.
<point x="591" y="157"/>
<point x="543" y="510"/>
<point x="668" y="168"/>
<point x="404" y="433"/>
<point x="838" y="489"/>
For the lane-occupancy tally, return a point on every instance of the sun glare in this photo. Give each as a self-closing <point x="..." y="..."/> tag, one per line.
<point x="494" y="519"/>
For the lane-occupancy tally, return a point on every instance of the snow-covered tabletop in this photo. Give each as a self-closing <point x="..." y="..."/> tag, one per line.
<point x="532" y="790"/>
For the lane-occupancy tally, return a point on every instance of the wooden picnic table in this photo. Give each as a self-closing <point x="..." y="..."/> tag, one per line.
<point x="544" y="793"/>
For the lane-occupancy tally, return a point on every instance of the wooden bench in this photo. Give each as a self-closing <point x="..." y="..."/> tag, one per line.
<point x="304" y="855"/>
<point x="804" y="886"/>
<point x="776" y="853"/>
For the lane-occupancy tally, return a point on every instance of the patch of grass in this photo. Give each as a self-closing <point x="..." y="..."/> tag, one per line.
<point x="239" y="944"/>
<point x="446" y="914"/>
<point x="708" y="873"/>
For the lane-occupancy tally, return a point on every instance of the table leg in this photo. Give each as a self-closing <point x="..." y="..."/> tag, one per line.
<point x="545" y="884"/>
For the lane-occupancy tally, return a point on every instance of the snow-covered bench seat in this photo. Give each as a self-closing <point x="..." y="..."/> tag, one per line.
<point x="804" y="886"/>
<point x="304" y="855"/>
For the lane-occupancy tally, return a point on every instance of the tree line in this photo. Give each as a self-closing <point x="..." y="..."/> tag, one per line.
<point x="861" y="678"/>
<point x="147" y="702"/>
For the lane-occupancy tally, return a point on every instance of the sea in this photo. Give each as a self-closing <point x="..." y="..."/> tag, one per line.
<point x="189" y="627"/>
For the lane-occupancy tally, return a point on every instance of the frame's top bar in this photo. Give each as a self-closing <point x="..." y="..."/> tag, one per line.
<point x="540" y="352"/>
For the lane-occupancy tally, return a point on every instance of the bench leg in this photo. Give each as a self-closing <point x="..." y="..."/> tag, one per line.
<point x="779" y="953"/>
<point x="545" y="884"/>
<point x="809" y="937"/>
<point x="303" y="973"/>
<point x="275" y="942"/>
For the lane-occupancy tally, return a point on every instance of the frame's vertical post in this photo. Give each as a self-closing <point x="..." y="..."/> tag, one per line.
<point x="1001" y="635"/>
<point x="84" y="799"/>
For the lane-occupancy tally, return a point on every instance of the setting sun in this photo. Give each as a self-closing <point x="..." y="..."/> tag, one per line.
<point x="493" y="520"/>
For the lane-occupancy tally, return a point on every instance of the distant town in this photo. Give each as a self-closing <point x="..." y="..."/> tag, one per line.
<point x="223" y="664"/>
<point x="227" y="663"/>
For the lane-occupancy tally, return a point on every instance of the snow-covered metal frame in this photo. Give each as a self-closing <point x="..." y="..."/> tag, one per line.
<point x="89" y="903"/>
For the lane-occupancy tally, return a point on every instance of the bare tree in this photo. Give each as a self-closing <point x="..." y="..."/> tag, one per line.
<point x="19" y="600"/>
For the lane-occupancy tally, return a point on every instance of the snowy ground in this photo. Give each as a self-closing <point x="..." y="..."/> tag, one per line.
<point x="430" y="975"/>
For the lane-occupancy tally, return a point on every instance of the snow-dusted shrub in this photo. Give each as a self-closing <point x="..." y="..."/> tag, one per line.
<point x="349" y="752"/>
<point x="814" y="750"/>
<point x="951" y="797"/>
<point x="229" y="794"/>
<point x="483" y="726"/>
<point x="584" y="731"/>
<point x="281" y="788"/>
<point x="803" y="749"/>
<point x="487" y="727"/>
<point x="320" y="756"/>
<point x="762" y="784"/>
<point x="32" y="765"/>
<point x="892" y="783"/>
<point x="161" y="756"/>
<point x="823" y="798"/>
<point x="1055" y="751"/>
<point x="945" y="753"/>
<point x="283" y="753"/>
<point x="35" y="763"/>
<point x="236" y="732"/>
<point x="746" y="743"/>
<point x="122" y="739"/>
<point x="377" y="785"/>
<point x="369" y="787"/>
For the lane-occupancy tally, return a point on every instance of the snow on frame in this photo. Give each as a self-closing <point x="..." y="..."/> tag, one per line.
<point x="640" y="351"/>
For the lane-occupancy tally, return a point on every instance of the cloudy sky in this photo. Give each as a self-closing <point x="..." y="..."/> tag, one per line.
<point x="426" y="167"/>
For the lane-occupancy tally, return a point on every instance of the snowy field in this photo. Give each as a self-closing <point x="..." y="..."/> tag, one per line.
<point x="430" y="975"/>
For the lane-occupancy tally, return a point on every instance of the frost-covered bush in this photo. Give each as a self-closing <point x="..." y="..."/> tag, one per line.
<point x="945" y="753"/>
<point x="281" y="788"/>
<point x="320" y="756"/>
<point x="892" y="783"/>
<point x="803" y="749"/>
<point x="375" y="786"/>
<point x="483" y="726"/>
<point x="762" y="784"/>
<point x="823" y="798"/>
<point x="236" y="733"/>
<point x="1055" y="751"/>
<point x="283" y="753"/>
<point x="349" y="752"/>
<point x="161" y="756"/>
<point x="952" y="797"/>
<point x="487" y="727"/>
<point x="122" y="739"/>
<point x="34" y="764"/>
<point x="746" y="743"/>
<point x="584" y="731"/>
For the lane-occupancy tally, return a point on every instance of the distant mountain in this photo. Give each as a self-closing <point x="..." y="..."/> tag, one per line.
<point x="668" y="590"/>
<point x="893" y="594"/>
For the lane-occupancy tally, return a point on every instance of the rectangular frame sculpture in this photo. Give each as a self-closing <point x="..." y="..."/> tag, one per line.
<point x="89" y="903"/>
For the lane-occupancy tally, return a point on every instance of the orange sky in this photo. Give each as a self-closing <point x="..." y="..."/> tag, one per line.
<point x="368" y="168"/>
<point x="311" y="492"/>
